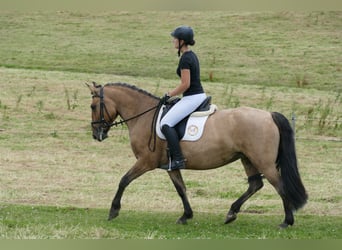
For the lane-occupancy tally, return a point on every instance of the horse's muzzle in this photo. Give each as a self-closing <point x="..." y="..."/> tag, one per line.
<point x="100" y="134"/>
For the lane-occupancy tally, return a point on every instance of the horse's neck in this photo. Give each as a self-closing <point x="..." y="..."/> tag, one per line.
<point x="131" y="103"/>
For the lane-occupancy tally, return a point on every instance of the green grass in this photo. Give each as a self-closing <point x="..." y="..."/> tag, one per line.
<point x="56" y="182"/>
<point x="37" y="222"/>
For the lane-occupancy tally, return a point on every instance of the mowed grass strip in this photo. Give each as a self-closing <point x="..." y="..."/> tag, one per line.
<point x="38" y="222"/>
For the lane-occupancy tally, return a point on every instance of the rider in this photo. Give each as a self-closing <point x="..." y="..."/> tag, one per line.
<point x="190" y="86"/>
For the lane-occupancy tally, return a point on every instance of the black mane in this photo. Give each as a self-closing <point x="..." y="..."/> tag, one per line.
<point x="133" y="87"/>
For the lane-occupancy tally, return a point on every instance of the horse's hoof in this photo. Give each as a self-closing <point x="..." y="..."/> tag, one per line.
<point x="182" y="221"/>
<point x="113" y="214"/>
<point x="231" y="216"/>
<point x="283" y="225"/>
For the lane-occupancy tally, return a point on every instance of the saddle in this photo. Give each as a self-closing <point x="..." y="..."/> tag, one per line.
<point x="191" y="127"/>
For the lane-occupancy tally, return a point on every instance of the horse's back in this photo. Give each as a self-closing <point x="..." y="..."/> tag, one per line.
<point x="230" y="133"/>
<point x="243" y="119"/>
<point x="247" y="124"/>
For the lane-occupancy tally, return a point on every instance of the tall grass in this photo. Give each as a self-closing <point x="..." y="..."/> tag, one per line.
<point x="3" y="108"/>
<point x="71" y="101"/>
<point x="324" y="117"/>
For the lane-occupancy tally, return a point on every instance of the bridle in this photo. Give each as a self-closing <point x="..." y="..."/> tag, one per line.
<point x="103" y="108"/>
<point x="106" y="125"/>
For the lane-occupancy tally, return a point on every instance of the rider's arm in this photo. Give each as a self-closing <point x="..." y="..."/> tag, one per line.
<point x="184" y="85"/>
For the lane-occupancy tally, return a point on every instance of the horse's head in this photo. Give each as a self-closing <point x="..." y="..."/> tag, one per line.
<point x="103" y="112"/>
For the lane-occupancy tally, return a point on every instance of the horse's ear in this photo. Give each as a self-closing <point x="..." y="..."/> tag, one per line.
<point x="94" y="89"/>
<point x="90" y="87"/>
<point x="96" y="85"/>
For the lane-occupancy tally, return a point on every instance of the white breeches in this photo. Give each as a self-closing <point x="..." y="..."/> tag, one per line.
<point x="182" y="109"/>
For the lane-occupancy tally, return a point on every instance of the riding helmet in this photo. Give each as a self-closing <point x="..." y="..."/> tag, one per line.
<point x="184" y="33"/>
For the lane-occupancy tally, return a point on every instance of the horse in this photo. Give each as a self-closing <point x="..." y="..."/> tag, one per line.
<point x="262" y="140"/>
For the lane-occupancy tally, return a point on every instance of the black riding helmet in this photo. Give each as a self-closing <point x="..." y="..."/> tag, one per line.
<point x="184" y="33"/>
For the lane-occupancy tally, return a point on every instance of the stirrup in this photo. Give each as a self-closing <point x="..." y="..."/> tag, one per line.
<point x="176" y="164"/>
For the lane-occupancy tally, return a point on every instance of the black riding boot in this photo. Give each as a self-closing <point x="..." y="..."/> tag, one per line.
<point x="177" y="159"/>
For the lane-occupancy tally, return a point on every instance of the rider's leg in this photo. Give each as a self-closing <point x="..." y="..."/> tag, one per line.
<point x="177" y="159"/>
<point x="177" y="113"/>
<point x="182" y="109"/>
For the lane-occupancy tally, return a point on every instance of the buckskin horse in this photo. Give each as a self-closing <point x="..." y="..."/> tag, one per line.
<point x="263" y="141"/>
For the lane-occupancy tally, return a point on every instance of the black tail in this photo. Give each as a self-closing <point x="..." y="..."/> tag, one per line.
<point x="292" y="186"/>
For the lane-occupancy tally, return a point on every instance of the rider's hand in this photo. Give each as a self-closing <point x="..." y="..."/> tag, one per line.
<point x="164" y="99"/>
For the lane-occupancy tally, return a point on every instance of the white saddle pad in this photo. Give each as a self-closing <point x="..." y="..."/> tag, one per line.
<point x="194" y="126"/>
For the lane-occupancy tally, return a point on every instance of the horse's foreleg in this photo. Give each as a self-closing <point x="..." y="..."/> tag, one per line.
<point x="178" y="182"/>
<point x="132" y="174"/>
<point x="116" y="203"/>
<point x="255" y="183"/>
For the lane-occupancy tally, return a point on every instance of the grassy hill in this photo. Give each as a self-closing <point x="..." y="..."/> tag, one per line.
<point x="272" y="49"/>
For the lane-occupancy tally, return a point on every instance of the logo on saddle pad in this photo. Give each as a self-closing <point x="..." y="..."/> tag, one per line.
<point x="190" y="128"/>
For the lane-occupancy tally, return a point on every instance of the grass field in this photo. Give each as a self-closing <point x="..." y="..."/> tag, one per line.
<point x="56" y="182"/>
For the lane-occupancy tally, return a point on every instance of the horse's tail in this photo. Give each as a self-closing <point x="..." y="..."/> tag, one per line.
<point x="292" y="186"/>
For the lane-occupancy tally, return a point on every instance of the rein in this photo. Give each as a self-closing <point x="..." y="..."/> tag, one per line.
<point x="105" y="124"/>
<point x="131" y="118"/>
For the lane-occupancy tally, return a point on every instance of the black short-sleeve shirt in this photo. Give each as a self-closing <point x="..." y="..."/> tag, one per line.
<point x="190" y="61"/>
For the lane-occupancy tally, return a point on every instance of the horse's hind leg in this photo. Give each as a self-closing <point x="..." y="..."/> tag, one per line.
<point x="275" y="180"/>
<point x="289" y="218"/>
<point x="255" y="183"/>
<point x="178" y="182"/>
